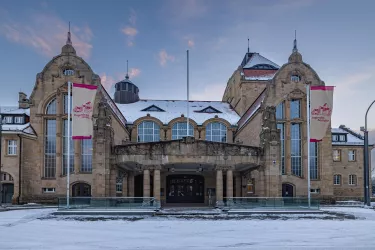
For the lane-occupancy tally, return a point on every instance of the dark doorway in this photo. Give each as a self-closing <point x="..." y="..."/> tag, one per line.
<point x="287" y="190"/>
<point x="81" y="190"/>
<point x="8" y="190"/>
<point x="185" y="189"/>
<point x="138" y="186"/>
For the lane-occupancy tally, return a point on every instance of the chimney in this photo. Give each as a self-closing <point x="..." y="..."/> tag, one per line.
<point x="23" y="102"/>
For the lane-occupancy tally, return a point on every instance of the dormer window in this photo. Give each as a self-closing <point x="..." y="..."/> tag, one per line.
<point x="68" y="72"/>
<point x="8" y="119"/>
<point x="339" y="138"/>
<point x="209" y="109"/>
<point x="295" y="78"/>
<point x="153" y="108"/>
<point x="18" y="120"/>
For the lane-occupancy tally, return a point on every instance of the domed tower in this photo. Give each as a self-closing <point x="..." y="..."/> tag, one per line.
<point x="126" y="91"/>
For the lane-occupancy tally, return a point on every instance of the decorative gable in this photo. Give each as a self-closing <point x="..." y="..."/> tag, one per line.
<point x="209" y="109"/>
<point x="153" y="108"/>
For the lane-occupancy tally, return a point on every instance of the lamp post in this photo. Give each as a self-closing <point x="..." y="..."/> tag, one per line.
<point x="366" y="172"/>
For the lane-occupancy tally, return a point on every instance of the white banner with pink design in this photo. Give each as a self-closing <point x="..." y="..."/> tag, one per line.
<point x="83" y="105"/>
<point x="321" y="104"/>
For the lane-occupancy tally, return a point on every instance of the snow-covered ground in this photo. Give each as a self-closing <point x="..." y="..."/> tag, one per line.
<point x="23" y="230"/>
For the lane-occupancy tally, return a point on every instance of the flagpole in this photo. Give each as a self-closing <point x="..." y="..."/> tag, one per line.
<point x="187" y="79"/>
<point x="308" y="145"/>
<point x="68" y="149"/>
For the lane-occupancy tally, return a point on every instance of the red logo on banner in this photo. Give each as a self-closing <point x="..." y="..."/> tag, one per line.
<point x="83" y="111"/>
<point x="322" y="113"/>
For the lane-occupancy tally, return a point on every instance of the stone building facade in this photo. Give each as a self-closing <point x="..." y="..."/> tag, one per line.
<point x="252" y="143"/>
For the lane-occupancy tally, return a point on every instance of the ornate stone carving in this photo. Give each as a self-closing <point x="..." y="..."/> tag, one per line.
<point x="269" y="132"/>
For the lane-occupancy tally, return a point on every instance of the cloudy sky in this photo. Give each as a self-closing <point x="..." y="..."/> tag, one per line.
<point x="334" y="36"/>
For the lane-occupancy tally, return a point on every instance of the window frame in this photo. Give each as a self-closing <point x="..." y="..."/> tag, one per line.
<point x="295" y="169"/>
<point x="339" y="155"/>
<point x="12" y="149"/>
<point x="19" y="120"/>
<point x="280" y="108"/>
<point x="281" y="126"/>
<point x="155" y="134"/>
<point x="295" y="78"/>
<point x="352" y="180"/>
<point x="291" y="113"/>
<point x="222" y="132"/>
<point x="176" y="128"/>
<point x="48" y="190"/>
<point x="354" y="155"/>
<point x="335" y="183"/>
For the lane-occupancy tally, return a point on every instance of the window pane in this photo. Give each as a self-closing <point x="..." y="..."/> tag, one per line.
<point x="148" y="131"/>
<point x="314" y="170"/>
<point x="67" y="141"/>
<point x="296" y="157"/>
<point x="51" y="107"/>
<point x="282" y="146"/>
<point x="216" y="131"/>
<point x="66" y="104"/>
<point x="86" y="148"/>
<point x="280" y="111"/>
<point x="295" y="109"/>
<point x="179" y="130"/>
<point x="50" y="149"/>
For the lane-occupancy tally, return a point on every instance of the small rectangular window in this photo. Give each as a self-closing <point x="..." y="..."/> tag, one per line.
<point x="280" y="111"/>
<point x="351" y="155"/>
<point x="335" y="138"/>
<point x="315" y="191"/>
<point x="12" y="147"/>
<point x="342" y="138"/>
<point x="336" y="155"/>
<point x="337" y="179"/>
<point x="48" y="190"/>
<point x="352" y="180"/>
<point x="18" y="120"/>
<point x="8" y="120"/>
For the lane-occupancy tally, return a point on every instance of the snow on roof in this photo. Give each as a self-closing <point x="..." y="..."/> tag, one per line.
<point x="256" y="59"/>
<point x="351" y="139"/>
<point x="25" y="128"/>
<point x="174" y="109"/>
<point x="252" y="109"/>
<point x="14" y="111"/>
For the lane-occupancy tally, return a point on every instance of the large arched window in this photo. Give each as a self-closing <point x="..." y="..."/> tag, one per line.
<point x="216" y="131"/>
<point x="179" y="130"/>
<point x="148" y="131"/>
<point x="51" y="107"/>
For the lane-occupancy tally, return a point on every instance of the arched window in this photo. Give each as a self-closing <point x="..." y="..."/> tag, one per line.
<point x="51" y="107"/>
<point x="179" y="130"/>
<point x="216" y="131"/>
<point x="148" y="131"/>
<point x="295" y="78"/>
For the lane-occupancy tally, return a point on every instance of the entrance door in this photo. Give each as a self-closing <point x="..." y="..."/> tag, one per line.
<point x="81" y="190"/>
<point x="185" y="189"/>
<point x="8" y="190"/>
<point x="287" y="190"/>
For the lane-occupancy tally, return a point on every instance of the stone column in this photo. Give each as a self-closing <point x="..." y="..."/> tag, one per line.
<point x="131" y="184"/>
<point x="219" y="188"/>
<point x="238" y="186"/>
<point x="157" y="187"/>
<point x="146" y="183"/>
<point x="125" y="185"/>
<point x="230" y="183"/>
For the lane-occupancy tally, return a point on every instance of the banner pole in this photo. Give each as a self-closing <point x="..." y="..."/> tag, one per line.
<point x="308" y="145"/>
<point x="187" y="95"/>
<point x="68" y="149"/>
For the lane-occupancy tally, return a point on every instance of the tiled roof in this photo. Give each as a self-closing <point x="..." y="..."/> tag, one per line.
<point x="17" y="128"/>
<point x="14" y="111"/>
<point x="258" y="74"/>
<point x="351" y="137"/>
<point x="174" y="109"/>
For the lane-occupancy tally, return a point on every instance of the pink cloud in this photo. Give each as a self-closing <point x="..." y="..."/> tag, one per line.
<point x="190" y="43"/>
<point x="107" y="81"/>
<point x="164" y="57"/>
<point x="134" y="72"/>
<point x="129" y="31"/>
<point x="47" y="34"/>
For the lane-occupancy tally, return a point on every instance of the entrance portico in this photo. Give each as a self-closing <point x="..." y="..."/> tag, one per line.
<point x="188" y="170"/>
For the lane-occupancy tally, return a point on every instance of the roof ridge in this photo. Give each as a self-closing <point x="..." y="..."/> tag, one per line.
<point x="359" y="136"/>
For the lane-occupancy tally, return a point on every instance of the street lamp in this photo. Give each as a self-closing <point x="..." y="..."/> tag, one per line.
<point x="366" y="172"/>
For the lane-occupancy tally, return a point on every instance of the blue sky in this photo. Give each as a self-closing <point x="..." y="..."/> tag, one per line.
<point x="334" y="36"/>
